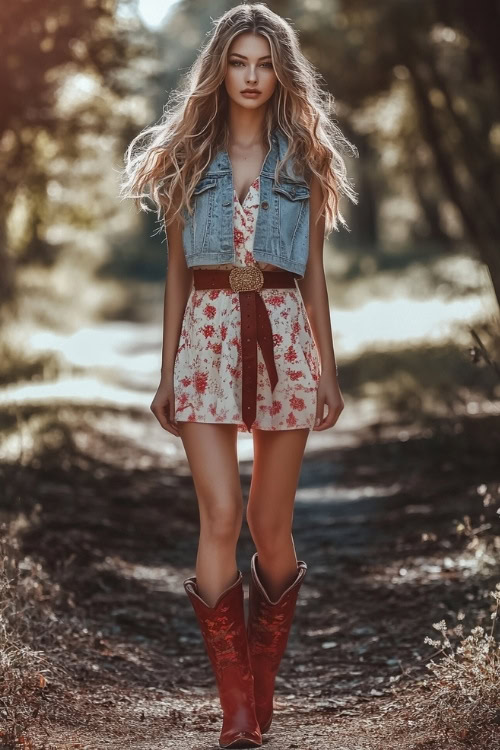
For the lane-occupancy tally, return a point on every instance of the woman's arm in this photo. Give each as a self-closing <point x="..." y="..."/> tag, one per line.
<point x="178" y="285"/>
<point x="315" y="296"/>
<point x="313" y="285"/>
<point x="177" y="288"/>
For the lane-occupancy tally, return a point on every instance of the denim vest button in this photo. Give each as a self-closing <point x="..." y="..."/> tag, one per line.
<point x="264" y="204"/>
<point x="227" y="203"/>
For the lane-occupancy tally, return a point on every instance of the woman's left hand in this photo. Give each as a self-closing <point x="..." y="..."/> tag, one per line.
<point x="329" y="394"/>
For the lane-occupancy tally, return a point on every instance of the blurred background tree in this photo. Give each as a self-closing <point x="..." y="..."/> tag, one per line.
<point x="46" y="46"/>
<point x="415" y="84"/>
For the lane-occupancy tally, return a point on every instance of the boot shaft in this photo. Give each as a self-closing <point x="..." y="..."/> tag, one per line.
<point x="269" y="622"/>
<point x="268" y="629"/>
<point x="224" y="633"/>
<point x="222" y="626"/>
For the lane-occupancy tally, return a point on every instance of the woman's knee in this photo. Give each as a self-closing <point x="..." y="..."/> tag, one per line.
<point x="269" y="535"/>
<point x="221" y="521"/>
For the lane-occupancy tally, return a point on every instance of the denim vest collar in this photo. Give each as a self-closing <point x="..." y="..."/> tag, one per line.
<point x="221" y="163"/>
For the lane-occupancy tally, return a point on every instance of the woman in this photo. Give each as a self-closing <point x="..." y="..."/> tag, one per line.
<point x="247" y="170"/>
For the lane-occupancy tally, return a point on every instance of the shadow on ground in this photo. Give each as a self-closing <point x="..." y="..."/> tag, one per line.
<point x="376" y="523"/>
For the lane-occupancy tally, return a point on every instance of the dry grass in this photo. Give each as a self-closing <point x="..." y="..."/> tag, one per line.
<point x="27" y="624"/>
<point x="462" y="705"/>
<point x="458" y="706"/>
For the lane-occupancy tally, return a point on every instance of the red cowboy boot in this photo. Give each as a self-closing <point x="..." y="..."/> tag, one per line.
<point x="268" y="628"/>
<point x="224" y="634"/>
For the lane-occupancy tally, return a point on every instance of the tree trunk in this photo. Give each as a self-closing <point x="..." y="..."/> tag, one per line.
<point x="480" y="221"/>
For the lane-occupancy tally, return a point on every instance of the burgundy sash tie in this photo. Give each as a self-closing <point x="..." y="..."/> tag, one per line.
<point x="255" y="325"/>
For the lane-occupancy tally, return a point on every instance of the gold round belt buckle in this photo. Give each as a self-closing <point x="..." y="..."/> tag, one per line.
<point x="247" y="279"/>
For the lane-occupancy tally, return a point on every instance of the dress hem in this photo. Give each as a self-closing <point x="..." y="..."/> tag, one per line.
<point x="243" y="428"/>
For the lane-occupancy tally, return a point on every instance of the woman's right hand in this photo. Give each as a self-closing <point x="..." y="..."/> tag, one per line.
<point x="163" y="405"/>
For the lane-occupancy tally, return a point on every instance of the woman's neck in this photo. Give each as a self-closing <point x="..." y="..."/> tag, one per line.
<point x="245" y="128"/>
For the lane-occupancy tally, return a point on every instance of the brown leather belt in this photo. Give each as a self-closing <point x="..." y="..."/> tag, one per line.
<point x="255" y="323"/>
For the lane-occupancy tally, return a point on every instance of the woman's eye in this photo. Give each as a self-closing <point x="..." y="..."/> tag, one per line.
<point x="239" y="62"/>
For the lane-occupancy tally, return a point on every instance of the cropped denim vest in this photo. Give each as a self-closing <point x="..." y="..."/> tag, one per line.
<point x="282" y="225"/>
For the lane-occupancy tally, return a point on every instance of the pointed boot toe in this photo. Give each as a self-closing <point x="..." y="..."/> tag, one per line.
<point x="241" y="739"/>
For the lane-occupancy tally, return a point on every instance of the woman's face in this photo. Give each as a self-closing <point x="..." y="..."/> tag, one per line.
<point x="250" y="67"/>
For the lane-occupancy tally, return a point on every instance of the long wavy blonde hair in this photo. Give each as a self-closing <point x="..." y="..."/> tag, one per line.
<point x="164" y="162"/>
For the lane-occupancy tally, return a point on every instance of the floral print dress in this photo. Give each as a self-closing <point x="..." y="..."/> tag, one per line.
<point x="208" y="363"/>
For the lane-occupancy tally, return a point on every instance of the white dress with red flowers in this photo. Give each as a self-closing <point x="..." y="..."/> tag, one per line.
<point x="208" y="364"/>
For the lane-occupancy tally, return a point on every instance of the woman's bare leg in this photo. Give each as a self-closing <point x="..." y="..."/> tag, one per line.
<point x="277" y="463"/>
<point x="213" y="460"/>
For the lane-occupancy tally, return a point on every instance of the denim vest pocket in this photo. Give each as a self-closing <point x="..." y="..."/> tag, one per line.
<point x="293" y="223"/>
<point x="204" y="184"/>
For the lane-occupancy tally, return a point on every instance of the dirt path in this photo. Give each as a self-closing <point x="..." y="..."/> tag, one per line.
<point x="375" y="524"/>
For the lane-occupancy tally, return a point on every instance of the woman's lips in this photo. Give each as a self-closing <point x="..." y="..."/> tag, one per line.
<point x="250" y="94"/>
